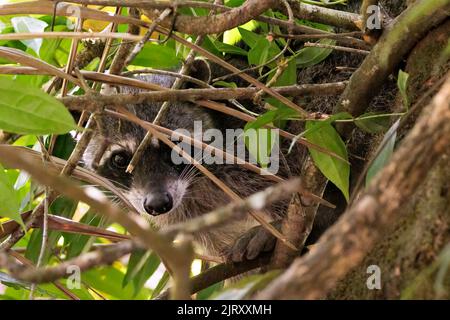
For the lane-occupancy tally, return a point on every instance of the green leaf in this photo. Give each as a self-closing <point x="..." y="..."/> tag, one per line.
<point x="57" y="21"/>
<point x="263" y="51"/>
<point x="384" y="155"/>
<point x="161" y="284"/>
<point x="318" y="125"/>
<point x="64" y="146"/>
<point x="225" y="84"/>
<point x="149" y="268"/>
<point x="21" y="288"/>
<point x="63" y="207"/>
<point x="288" y="77"/>
<point x="28" y="110"/>
<point x="272" y="116"/>
<point x="244" y="288"/>
<point x="249" y="37"/>
<point x="259" y="53"/>
<point x="78" y="243"/>
<point x="372" y="122"/>
<point x="26" y="141"/>
<point x="227" y="48"/>
<point x="47" y="53"/>
<point x="11" y="282"/>
<point x="141" y="265"/>
<point x="260" y="143"/>
<point x="336" y="170"/>
<point x="5" y="30"/>
<point x="157" y="56"/>
<point x="62" y="53"/>
<point x="135" y="263"/>
<point x="9" y="201"/>
<point x="50" y="290"/>
<point x="402" y="83"/>
<point x="310" y="56"/>
<point x="108" y="280"/>
<point x="29" y="24"/>
<point x="233" y="36"/>
<point x="234" y="3"/>
<point x="208" y="292"/>
<point x="208" y="44"/>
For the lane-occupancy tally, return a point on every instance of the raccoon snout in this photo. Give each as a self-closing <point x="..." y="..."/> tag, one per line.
<point x="158" y="203"/>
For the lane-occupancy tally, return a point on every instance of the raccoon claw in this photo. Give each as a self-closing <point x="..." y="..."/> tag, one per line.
<point x="251" y="244"/>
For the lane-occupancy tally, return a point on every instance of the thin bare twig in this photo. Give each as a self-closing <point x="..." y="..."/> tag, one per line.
<point x="237" y="209"/>
<point x="185" y="69"/>
<point x="161" y="137"/>
<point x="82" y="102"/>
<point x="165" y="106"/>
<point x="69" y="35"/>
<point x="298" y="222"/>
<point x="120" y="58"/>
<point x="185" y="77"/>
<point x="220" y="273"/>
<point x="28" y="263"/>
<point x="147" y="36"/>
<point x="338" y="48"/>
<point x="135" y="224"/>
<point x="86" y="261"/>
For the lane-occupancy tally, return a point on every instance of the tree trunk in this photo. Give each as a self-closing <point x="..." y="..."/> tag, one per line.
<point x="412" y="256"/>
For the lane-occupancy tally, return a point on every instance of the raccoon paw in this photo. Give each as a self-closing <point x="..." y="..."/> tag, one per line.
<point x="252" y="243"/>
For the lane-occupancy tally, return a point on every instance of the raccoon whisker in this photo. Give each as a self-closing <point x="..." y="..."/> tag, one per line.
<point x="120" y="185"/>
<point x="188" y="179"/>
<point x="193" y="198"/>
<point x="186" y="172"/>
<point x="186" y="169"/>
<point x="191" y="166"/>
<point x="193" y="178"/>
<point x="193" y="174"/>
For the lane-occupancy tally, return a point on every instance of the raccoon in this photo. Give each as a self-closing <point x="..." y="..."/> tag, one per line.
<point x="167" y="192"/>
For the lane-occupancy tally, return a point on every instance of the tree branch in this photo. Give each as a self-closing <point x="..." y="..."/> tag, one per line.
<point x="397" y="41"/>
<point x="346" y="243"/>
<point x="257" y="201"/>
<point x="219" y="22"/>
<point x="102" y="256"/>
<point x="87" y="103"/>
<point x="337" y="18"/>
<point x="136" y="225"/>
<point x="298" y="223"/>
<point x="220" y="273"/>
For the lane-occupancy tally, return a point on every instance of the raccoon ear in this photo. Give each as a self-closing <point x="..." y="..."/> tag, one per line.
<point x="201" y="70"/>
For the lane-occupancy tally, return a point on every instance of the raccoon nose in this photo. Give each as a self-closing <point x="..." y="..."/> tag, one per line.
<point x="158" y="203"/>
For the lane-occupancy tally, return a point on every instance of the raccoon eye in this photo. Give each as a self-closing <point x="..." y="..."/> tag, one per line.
<point x="120" y="159"/>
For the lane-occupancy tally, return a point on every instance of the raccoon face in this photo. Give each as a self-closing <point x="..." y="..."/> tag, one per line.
<point x="157" y="184"/>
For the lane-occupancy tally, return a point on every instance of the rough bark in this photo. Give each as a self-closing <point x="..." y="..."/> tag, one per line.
<point x="345" y="244"/>
<point x="396" y="42"/>
<point x="219" y="22"/>
<point x="409" y="255"/>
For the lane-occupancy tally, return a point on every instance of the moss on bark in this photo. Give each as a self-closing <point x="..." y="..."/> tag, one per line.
<point x="409" y="254"/>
